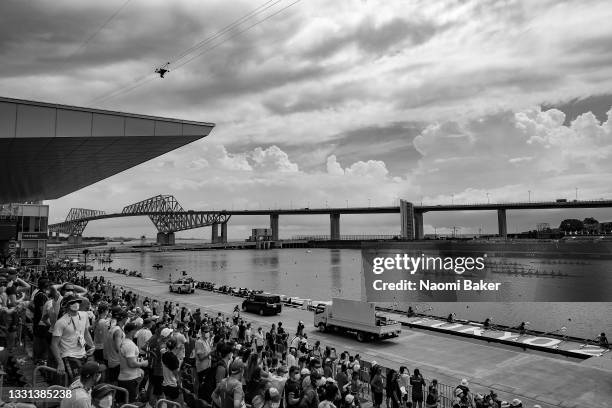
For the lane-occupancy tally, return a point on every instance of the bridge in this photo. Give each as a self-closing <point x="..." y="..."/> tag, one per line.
<point x="169" y="216"/>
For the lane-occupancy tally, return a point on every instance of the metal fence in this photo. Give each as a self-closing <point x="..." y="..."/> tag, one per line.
<point x="345" y="237"/>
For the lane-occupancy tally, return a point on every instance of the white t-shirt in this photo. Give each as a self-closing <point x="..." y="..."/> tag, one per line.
<point x="128" y="349"/>
<point x="71" y="331"/>
<point x="202" y="346"/>
<point x="142" y="336"/>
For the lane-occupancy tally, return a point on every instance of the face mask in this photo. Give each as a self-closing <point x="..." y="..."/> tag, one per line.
<point x="74" y="307"/>
<point x="106" y="402"/>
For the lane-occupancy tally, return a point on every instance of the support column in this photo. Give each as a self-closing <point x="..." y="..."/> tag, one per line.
<point x="334" y="226"/>
<point x="274" y="226"/>
<point x="501" y="223"/>
<point x="214" y="233"/>
<point x="162" y="239"/>
<point x="170" y="238"/>
<point x="407" y="219"/>
<point x="224" y="233"/>
<point x="418" y="226"/>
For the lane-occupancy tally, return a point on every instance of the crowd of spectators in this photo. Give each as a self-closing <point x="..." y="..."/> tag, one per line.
<point x="98" y="335"/>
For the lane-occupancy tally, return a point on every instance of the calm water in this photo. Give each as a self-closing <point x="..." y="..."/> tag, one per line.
<point x="320" y="274"/>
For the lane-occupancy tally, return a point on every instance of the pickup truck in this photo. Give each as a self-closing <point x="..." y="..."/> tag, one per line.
<point x="355" y="317"/>
<point x="185" y="285"/>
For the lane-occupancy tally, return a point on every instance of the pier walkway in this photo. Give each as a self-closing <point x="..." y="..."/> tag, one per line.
<point x="534" y="377"/>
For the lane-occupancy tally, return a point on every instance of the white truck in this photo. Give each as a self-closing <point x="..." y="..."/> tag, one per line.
<point x="355" y="317"/>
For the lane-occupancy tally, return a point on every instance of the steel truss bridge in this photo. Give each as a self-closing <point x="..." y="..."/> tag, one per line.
<point x="168" y="216"/>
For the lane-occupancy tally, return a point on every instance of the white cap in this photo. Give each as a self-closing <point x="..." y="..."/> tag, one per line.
<point x="305" y="371"/>
<point x="374" y="363"/>
<point x="166" y="332"/>
<point x="464" y="382"/>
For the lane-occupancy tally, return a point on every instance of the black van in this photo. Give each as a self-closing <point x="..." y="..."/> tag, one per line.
<point x="263" y="304"/>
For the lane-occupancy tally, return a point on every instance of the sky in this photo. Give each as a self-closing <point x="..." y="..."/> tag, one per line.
<point x="346" y="102"/>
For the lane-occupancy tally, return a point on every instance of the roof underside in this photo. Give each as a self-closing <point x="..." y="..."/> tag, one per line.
<point x="48" y="151"/>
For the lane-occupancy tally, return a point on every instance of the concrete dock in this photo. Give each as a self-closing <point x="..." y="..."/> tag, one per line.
<point x="534" y="377"/>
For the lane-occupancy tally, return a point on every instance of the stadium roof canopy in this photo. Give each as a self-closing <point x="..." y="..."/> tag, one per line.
<point x="49" y="150"/>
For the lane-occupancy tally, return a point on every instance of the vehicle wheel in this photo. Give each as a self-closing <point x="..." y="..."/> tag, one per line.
<point x="244" y="308"/>
<point x="361" y="337"/>
<point x="179" y="290"/>
<point x="322" y="327"/>
<point x="261" y="312"/>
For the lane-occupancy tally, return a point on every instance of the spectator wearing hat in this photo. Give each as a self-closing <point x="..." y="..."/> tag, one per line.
<point x="90" y="374"/>
<point x="417" y="382"/>
<point x="102" y="396"/>
<point x="229" y="392"/>
<point x="113" y="342"/>
<point x="70" y="336"/>
<point x="130" y="372"/>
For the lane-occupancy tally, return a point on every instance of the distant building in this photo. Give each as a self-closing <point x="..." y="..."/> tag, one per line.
<point x="260" y="234"/>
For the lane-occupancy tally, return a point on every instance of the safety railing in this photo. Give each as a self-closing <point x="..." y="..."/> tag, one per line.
<point x="162" y="401"/>
<point x="49" y="369"/>
<point x="125" y="393"/>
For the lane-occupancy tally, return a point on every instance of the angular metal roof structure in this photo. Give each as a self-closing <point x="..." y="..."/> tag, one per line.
<point x="49" y="150"/>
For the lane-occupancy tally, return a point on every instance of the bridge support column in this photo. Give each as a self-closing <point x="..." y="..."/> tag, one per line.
<point x="274" y="226"/>
<point x="407" y="219"/>
<point x="214" y="238"/>
<point x="501" y="223"/>
<point x="75" y="239"/>
<point x="334" y="226"/>
<point x="418" y="226"/>
<point x="165" y="238"/>
<point x="224" y="233"/>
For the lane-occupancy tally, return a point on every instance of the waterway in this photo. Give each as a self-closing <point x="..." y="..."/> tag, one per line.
<point x="321" y="274"/>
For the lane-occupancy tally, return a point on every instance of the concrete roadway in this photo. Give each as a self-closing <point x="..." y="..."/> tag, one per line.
<point x="535" y="378"/>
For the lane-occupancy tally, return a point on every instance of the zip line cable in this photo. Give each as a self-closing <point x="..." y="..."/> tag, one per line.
<point x="228" y="27"/>
<point x="92" y="36"/>
<point x="235" y="35"/>
<point x="148" y="78"/>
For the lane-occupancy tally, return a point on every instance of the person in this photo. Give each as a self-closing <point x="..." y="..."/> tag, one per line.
<point x="259" y="340"/>
<point x="417" y="381"/>
<point x="377" y="387"/>
<point x="392" y="387"/>
<point x="100" y="332"/>
<point x="71" y="336"/>
<point x="130" y="366"/>
<point x="102" y="396"/>
<point x="229" y="392"/>
<point x="602" y="341"/>
<point x="293" y="389"/>
<point x="172" y="378"/>
<point x="272" y="398"/>
<point x="433" y="397"/>
<point x="40" y="328"/>
<point x="404" y="383"/>
<point x="144" y="334"/>
<point x="181" y="340"/>
<point x="112" y="343"/>
<point x="236" y="315"/>
<point x="203" y="350"/>
<point x="310" y="397"/>
<point x="516" y="403"/>
<point x="90" y="374"/>
<point x="410" y="312"/>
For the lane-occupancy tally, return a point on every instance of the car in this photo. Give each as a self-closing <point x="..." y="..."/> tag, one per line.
<point x="262" y="303"/>
<point x="183" y="286"/>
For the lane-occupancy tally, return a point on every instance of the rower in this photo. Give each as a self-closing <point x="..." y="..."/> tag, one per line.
<point x="602" y="341"/>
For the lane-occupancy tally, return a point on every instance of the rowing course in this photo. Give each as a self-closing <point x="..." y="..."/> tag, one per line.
<point x="535" y="378"/>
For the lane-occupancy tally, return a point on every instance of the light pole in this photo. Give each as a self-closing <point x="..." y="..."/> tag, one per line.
<point x="452" y="199"/>
<point x="346" y="203"/>
<point x="369" y="203"/>
<point x="576" y="193"/>
<point x="529" y="191"/>
<point x="488" y="202"/>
